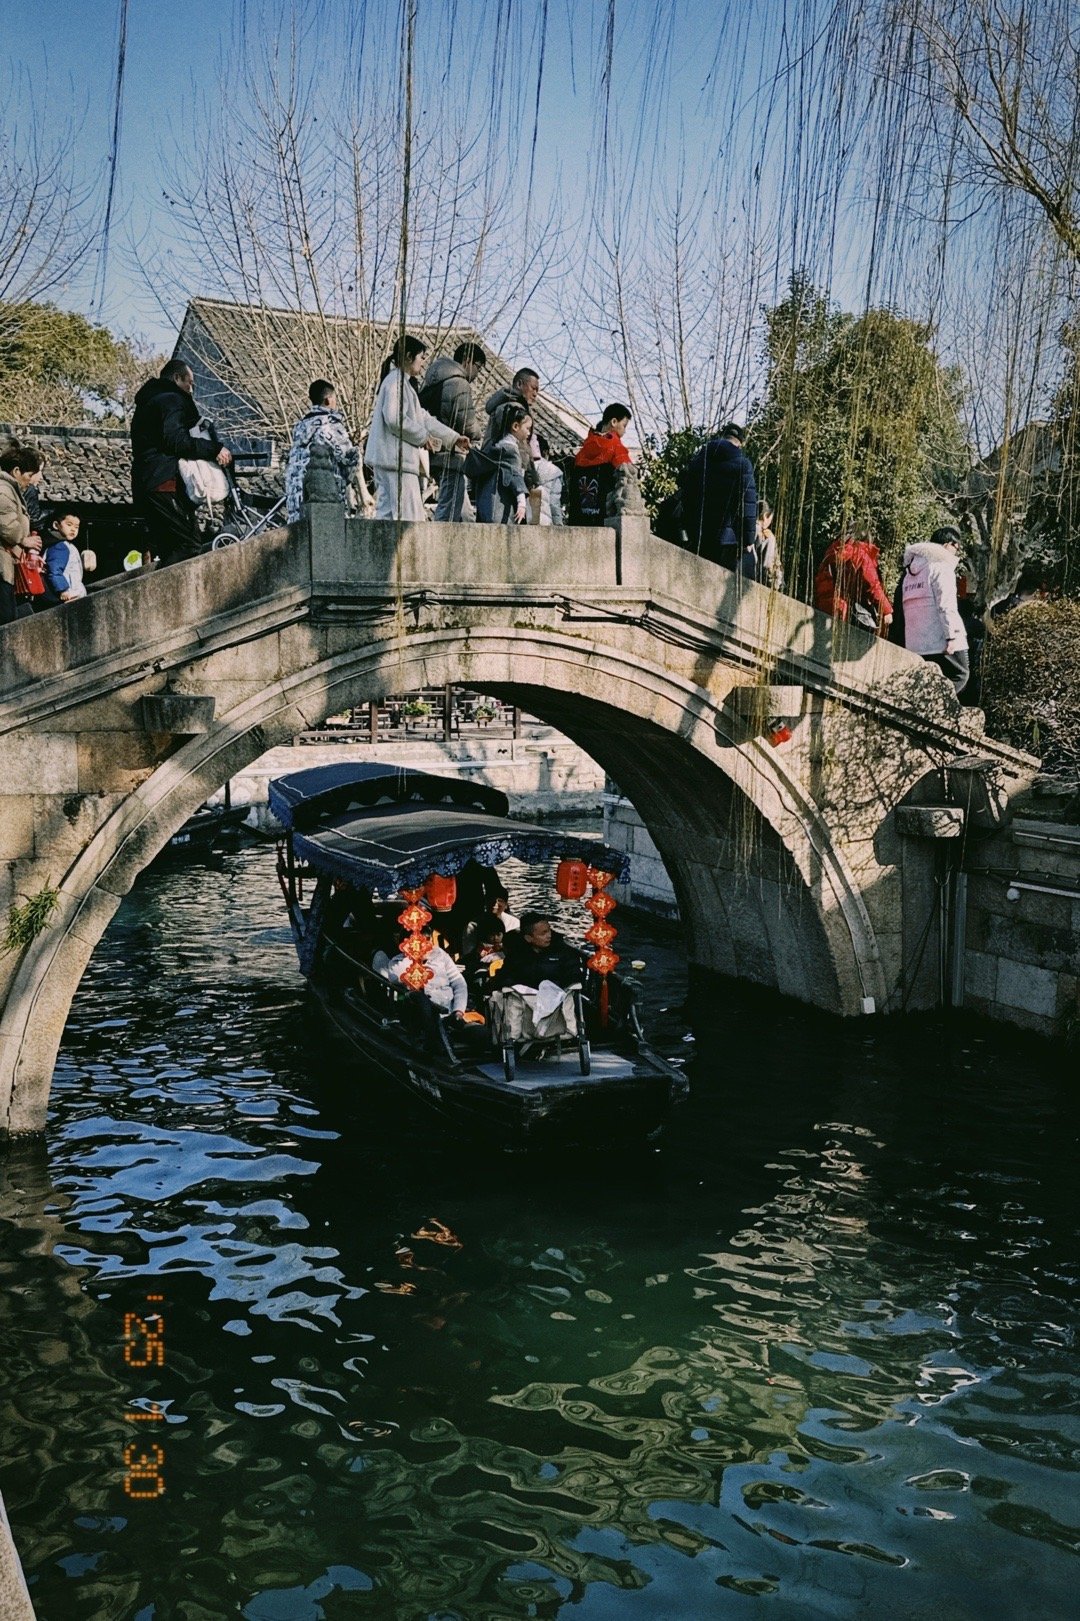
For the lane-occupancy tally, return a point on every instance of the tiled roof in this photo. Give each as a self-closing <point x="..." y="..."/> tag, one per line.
<point x="86" y="464"/>
<point x="253" y="366"/>
<point x="91" y="466"/>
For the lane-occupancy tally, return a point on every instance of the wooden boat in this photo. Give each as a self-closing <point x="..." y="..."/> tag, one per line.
<point x="211" y="826"/>
<point x="356" y="837"/>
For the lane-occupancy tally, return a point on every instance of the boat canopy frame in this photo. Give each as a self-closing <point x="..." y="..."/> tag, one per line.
<point x="379" y="829"/>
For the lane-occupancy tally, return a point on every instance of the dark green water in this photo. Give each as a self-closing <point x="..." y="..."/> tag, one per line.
<point x="817" y="1357"/>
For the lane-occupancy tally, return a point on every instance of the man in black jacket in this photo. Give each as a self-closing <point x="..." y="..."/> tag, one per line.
<point x="720" y="500"/>
<point x="536" y="952"/>
<point x="165" y="413"/>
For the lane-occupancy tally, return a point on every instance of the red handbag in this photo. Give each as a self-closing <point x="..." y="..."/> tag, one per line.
<point x="29" y="581"/>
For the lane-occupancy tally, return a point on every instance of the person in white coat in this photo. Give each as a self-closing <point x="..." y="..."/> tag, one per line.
<point x="933" y="627"/>
<point x="400" y="432"/>
<point x="550" y="477"/>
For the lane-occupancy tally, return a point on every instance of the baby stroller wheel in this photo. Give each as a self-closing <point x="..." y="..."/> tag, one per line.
<point x="225" y="537"/>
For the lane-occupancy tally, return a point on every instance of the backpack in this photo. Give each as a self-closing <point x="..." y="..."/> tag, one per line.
<point x="587" y="490"/>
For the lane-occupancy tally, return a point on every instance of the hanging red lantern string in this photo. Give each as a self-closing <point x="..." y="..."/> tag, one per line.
<point x="416" y="944"/>
<point x="601" y="904"/>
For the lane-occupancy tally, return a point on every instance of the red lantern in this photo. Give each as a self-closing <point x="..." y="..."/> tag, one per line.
<point x="416" y="945"/>
<point x="441" y="892"/>
<point x="571" y="879"/>
<point x="602" y="933"/>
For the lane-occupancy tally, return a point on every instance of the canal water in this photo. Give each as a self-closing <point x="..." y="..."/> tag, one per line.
<point x="817" y="1356"/>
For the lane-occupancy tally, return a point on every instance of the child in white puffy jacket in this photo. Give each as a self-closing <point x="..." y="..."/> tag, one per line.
<point x="933" y="627"/>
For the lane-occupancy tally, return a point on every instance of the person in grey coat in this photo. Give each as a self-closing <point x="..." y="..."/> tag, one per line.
<point x="447" y="395"/>
<point x="523" y="391"/>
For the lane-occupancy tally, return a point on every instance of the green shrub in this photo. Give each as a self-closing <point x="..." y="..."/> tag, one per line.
<point x="1031" y="681"/>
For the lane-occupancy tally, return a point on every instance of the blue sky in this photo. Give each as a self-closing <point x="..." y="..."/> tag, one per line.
<point x="771" y="173"/>
<point x="667" y="79"/>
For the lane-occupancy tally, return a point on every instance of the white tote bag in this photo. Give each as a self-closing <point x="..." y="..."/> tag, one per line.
<point x="205" y="482"/>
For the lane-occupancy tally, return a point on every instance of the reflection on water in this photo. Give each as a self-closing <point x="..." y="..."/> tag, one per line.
<point x="817" y="1355"/>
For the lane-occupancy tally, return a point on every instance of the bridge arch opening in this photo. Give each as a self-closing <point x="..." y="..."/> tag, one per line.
<point x="762" y="894"/>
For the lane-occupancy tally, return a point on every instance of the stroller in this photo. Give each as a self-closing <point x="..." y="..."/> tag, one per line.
<point x="220" y="512"/>
<point x="240" y="522"/>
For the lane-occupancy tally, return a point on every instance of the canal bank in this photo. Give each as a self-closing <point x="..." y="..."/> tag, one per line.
<point x="14" y="1598"/>
<point x="1002" y="938"/>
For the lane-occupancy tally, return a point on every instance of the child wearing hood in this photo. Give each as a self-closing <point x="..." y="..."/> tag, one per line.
<point x="933" y="627"/>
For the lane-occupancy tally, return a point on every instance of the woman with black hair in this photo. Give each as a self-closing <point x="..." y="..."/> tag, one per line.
<point x="500" y="489"/>
<point x="20" y="469"/>
<point x="400" y="431"/>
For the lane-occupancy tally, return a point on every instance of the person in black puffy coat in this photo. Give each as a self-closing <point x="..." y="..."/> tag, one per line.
<point x="161" y="436"/>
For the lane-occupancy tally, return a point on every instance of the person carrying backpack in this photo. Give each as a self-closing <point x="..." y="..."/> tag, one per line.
<point x="848" y="584"/>
<point x="719" y="498"/>
<point x="447" y="395"/>
<point x="593" y="473"/>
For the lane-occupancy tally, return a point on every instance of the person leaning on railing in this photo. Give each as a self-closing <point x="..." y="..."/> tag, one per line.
<point x="401" y="431"/>
<point x="20" y="468"/>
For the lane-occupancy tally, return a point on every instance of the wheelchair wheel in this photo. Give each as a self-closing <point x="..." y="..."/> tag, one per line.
<point x="509" y="1062"/>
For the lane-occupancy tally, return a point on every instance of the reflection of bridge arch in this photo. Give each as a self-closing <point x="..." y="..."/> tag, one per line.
<point x="786" y="865"/>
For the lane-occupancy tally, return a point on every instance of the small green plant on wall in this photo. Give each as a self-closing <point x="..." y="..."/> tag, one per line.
<point x="26" y="922"/>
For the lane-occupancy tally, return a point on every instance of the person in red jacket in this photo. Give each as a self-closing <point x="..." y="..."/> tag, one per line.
<point x="594" y="467"/>
<point x="848" y="584"/>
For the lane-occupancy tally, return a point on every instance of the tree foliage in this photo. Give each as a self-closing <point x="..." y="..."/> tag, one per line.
<point x="662" y="461"/>
<point x="1031" y="681"/>
<point x="1055" y="509"/>
<point x="59" y="367"/>
<point x="857" y="423"/>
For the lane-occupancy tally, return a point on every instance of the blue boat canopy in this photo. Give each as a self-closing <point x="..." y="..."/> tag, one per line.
<point x="403" y="835"/>
<point x="305" y="799"/>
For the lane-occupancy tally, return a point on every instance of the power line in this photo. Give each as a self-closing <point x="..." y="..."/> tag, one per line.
<point x="98" y="293"/>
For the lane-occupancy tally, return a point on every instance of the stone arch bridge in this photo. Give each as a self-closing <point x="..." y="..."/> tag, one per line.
<point x="121" y="714"/>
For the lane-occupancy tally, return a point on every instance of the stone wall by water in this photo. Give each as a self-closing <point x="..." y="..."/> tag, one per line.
<point x="1022" y="938"/>
<point x="14" y="1599"/>
<point x="1019" y="932"/>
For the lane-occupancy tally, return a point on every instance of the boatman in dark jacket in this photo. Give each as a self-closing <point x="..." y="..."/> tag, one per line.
<point x="165" y="413"/>
<point x="535" y="952"/>
<point x="720" y="500"/>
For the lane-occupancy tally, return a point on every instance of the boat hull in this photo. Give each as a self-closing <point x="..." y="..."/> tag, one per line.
<point x="624" y="1099"/>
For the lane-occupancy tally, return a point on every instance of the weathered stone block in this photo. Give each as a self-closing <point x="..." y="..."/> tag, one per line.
<point x="980" y="976"/>
<point x="16" y="826"/>
<point x="116" y="762"/>
<point x="1023" y="987"/>
<point x="30" y="764"/>
<point x="183" y="714"/>
<point x="930" y="821"/>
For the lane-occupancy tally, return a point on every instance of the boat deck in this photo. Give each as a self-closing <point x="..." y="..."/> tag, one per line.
<point x="531" y="1074"/>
